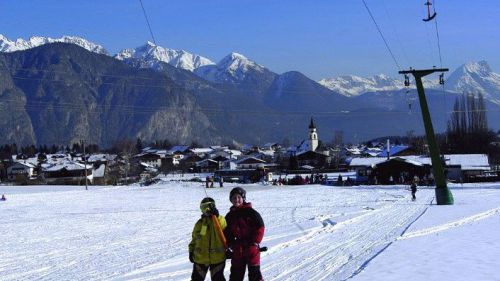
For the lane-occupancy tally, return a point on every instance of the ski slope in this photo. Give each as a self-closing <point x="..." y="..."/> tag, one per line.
<point x="313" y="232"/>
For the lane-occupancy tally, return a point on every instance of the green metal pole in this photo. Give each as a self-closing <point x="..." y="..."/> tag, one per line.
<point x="443" y="194"/>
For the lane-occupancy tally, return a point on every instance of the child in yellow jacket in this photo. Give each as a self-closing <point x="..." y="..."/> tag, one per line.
<point x="207" y="249"/>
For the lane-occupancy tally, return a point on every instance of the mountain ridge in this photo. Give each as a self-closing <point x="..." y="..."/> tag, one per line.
<point x="235" y="68"/>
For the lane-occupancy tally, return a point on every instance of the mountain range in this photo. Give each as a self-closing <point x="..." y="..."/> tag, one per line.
<point x="67" y="89"/>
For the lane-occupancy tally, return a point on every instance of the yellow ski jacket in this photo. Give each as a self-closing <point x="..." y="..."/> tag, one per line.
<point x="206" y="245"/>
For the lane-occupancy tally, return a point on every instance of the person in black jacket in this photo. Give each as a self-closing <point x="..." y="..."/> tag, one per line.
<point x="244" y="232"/>
<point x="413" y="188"/>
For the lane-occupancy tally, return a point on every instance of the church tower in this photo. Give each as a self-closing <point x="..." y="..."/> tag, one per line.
<point x="313" y="136"/>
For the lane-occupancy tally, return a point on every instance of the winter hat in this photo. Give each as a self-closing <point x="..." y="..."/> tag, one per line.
<point x="207" y="204"/>
<point x="238" y="190"/>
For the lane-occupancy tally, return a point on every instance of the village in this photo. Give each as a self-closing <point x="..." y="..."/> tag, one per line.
<point x="271" y="163"/>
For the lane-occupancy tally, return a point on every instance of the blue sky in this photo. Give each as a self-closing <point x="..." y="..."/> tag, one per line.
<point x="318" y="38"/>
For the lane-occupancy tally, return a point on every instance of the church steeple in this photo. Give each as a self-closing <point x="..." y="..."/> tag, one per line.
<point x="311" y="125"/>
<point x="313" y="136"/>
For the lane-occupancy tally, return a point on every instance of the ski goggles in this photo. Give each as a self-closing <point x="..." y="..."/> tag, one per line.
<point x="206" y="207"/>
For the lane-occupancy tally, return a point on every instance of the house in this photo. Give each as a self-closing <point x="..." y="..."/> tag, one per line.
<point x="68" y="173"/>
<point x="266" y="155"/>
<point x="458" y="167"/>
<point x="20" y="172"/>
<point x="101" y="158"/>
<point x="363" y="166"/>
<point x="466" y="167"/>
<point x="400" y="170"/>
<point x="207" y="166"/>
<point x="201" y="152"/>
<point x="99" y="175"/>
<point x="150" y="158"/>
<point x="242" y="175"/>
<point x="250" y="163"/>
<point x="312" y="158"/>
<point x="189" y="162"/>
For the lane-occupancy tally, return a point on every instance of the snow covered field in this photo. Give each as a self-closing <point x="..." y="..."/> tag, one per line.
<point x="313" y="232"/>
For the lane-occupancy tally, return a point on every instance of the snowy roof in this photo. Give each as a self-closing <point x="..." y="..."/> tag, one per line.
<point x="146" y="165"/>
<point x="99" y="172"/>
<point x="30" y="161"/>
<point x="395" y="149"/>
<point x="235" y="152"/>
<point x="303" y="146"/>
<point x="101" y="157"/>
<point x="206" y="160"/>
<point x="249" y="160"/>
<point x="402" y="159"/>
<point x="368" y="161"/>
<point x="466" y="161"/>
<point x="218" y="147"/>
<point x="179" y="148"/>
<point x="469" y="161"/>
<point x="354" y="150"/>
<point x="70" y="166"/>
<point x="26" y="164"/>
<point x="201" y="150"/>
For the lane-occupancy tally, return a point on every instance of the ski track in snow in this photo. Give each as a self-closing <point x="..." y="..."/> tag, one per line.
<point x="354" y="241"/>
<point x="451" y="225"/>
<point x="129" y="234"/>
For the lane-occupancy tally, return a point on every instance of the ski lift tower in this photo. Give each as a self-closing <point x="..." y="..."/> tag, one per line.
<point x="443" y="194"/>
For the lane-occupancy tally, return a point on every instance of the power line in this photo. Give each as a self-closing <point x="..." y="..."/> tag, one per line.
<point x="97" y="108"/>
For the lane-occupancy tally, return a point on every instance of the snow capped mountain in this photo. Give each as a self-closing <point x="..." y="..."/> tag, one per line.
<point x="475" y="77"/>
<point x="233" y="67"/>
<point x="238" y="65"/>
<point x="351" y="85"/>
<point x="151" y="56"/>
<point x="20" y="44"/>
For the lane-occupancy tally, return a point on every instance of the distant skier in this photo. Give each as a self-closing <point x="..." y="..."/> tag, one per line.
<point x="244" y="232"/>
<point x="3" y="198"/>
<point x="207" y="250"/>
<point x="413" y="189"/>
<point x="221" y="181"/>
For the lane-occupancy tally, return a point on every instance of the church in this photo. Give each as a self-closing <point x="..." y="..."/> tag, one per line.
<point x="308" y="154"/>
<point x="312" y="142"/>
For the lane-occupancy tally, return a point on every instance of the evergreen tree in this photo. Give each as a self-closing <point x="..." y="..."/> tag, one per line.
<point x="138" y="144"/>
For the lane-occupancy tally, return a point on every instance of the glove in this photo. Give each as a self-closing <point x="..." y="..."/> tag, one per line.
<point x="229" y="253"/>
<point x="214" y="211"/>
<point x="191" y="257"/>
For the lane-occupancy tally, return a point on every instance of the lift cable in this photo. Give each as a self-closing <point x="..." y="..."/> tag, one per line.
<point x="147" y="21"/>
<point x="382" y="35"/>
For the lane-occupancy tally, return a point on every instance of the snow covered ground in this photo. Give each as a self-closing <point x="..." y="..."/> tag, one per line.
<point x="313" y="232"/>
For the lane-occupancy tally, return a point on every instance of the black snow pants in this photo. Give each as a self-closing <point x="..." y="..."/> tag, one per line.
<point x="216" y="272"/>
<point x="238" y="273"/>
